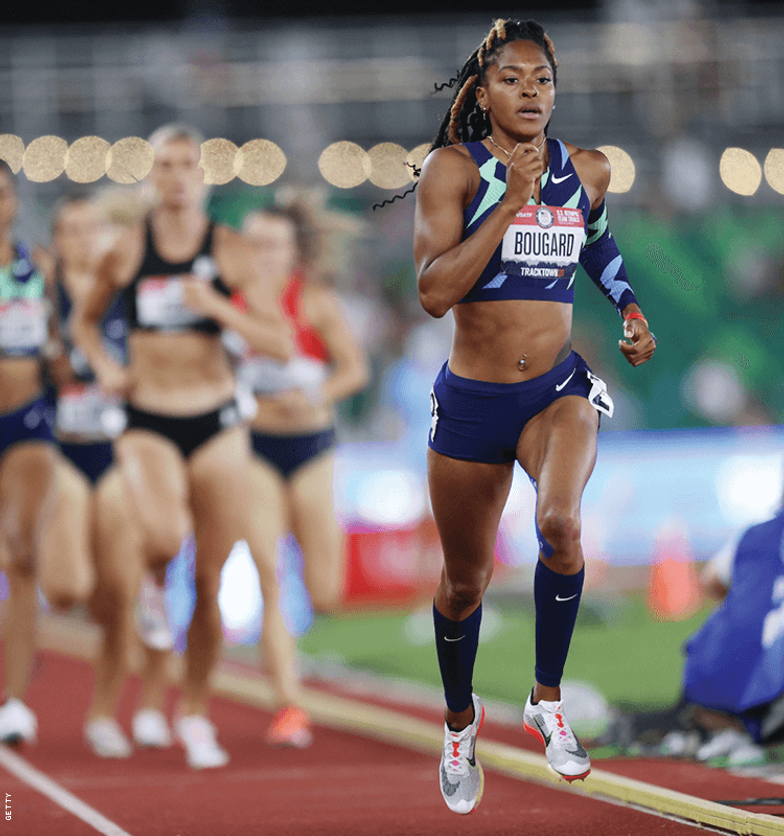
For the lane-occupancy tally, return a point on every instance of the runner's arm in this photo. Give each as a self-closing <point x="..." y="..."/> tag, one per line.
<point x="262" y="325"/>
<point x="350" y="371"/>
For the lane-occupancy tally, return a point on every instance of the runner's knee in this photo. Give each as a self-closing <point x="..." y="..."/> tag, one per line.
<point x="561" y="529"/>
<point x="22" y="565"/>
<point x="68" y="592"/>
<point x="325" y="600"/>
<point x="112" y="596"/>
<point x="464" y="594"/>
<point x="21" y="550"/>
<point x="164" y="535"/>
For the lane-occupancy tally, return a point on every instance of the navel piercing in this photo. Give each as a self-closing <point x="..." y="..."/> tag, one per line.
<point x="521" y="364"/>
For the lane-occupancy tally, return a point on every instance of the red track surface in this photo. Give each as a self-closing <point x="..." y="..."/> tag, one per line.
<point x="344" y="785"/>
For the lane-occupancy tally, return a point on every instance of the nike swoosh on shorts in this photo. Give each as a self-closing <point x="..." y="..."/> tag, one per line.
<point x="559" y="386"/>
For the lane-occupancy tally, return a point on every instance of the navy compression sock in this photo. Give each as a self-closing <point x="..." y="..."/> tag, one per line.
<point x="456" y="645"/>
<point x="557" y="599"/>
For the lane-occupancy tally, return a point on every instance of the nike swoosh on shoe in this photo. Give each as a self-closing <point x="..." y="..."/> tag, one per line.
<point x="446" y="785"/>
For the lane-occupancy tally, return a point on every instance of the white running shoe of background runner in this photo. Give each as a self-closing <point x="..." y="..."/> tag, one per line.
<point x="150" y="729"/>
<point x="106" y="738"/>
<point x="547" y="722"/>
<point x="152" y="621"/>
<point x="197" y="734"/>
<point x="460" y="774"/>
<point x="17" y="722"/>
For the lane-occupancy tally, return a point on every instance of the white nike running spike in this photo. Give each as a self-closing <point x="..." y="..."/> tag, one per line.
<point x="461" y="777"/>
<point x="547" y="722"/>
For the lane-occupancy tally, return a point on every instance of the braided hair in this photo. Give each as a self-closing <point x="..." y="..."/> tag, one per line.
<point x="465" y="121"/>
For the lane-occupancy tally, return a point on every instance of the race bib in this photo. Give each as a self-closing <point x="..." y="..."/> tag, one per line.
<point x="543" y="242"/>
<point x="266" y="376"/>
<point x="86" y="411"/>
<point x="160" y="303"/>
<point x="23" y="325"/>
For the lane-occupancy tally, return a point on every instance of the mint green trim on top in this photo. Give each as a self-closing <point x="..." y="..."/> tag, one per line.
<point x="495" y="188"/>
<point x="598" y="227"/>
<point x="574" y="200"/>
<point x="10" y="288"/>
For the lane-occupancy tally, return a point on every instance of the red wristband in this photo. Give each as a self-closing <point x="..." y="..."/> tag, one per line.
<point x="635" y="315"/>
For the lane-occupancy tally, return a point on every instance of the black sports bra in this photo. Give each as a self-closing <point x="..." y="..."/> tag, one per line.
<point x="153" y="300"/>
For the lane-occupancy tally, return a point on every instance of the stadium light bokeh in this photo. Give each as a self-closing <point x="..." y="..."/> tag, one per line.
<point x="740" y="171"/>
<point x="623" y="169"/>
<point x="774" y="169"/>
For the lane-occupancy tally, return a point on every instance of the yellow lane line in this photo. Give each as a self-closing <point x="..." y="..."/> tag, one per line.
<point x="352" y="715"/>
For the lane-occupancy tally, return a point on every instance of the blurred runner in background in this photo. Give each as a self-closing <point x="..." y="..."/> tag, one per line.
<point x="293" y="435"/>
<point x="90" y="531"/>
<point x="184" y="453"/>
<point x="28" y="334"/>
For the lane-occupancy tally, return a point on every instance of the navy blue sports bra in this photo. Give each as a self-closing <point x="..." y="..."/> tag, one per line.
<point x="539" y="254"/>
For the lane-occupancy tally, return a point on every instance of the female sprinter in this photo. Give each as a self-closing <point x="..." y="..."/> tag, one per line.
<point x="293" y="438"/>
<point x="184" y="454"/>
<point x="504" y="216"/>
<point x="90" y="531"/>
<point x="27" y="456"/>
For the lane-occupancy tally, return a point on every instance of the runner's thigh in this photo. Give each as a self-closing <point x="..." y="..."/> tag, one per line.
<point x="66" y="560"/>
<point x="268" y="519"/>
<point x="467" y="499"/>
<point x="315" y="525"/>
<point x="156" y="482"/>
<point x="26" y="494"/>
<point x="221" y="496"/>
<point x="557" y="448"/>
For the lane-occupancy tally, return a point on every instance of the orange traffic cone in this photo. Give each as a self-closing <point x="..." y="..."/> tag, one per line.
<point x="673" y="586"/>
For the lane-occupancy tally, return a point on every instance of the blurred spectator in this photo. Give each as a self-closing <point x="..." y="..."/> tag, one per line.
<point x="732" y="702"/>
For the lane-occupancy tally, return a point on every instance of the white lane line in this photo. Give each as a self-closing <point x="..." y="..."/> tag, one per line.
<point x="46" y="786"/>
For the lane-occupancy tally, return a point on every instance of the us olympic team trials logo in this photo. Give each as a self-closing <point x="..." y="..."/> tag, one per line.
<point x="544" y="217"/>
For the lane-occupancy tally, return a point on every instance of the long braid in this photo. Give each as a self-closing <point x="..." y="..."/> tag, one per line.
<point x="465" y="121"/>
<point x="551" y="50"/>
<point x="456" y="111"/>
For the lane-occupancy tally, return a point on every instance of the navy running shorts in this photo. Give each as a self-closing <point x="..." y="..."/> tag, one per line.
<point x="481" y="421"/>
<point x="92" y="458"/>
<point x="288" y="453"/>
<point x="32" y="422"/>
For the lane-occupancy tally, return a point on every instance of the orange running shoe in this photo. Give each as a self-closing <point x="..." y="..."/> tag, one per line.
<point x="290" y="727"/>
